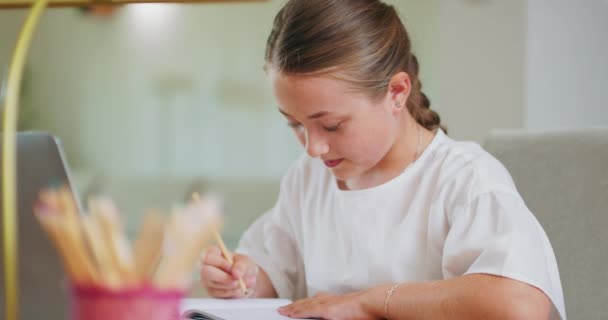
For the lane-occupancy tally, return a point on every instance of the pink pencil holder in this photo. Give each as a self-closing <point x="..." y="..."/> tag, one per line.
<point x="93" y="303"/>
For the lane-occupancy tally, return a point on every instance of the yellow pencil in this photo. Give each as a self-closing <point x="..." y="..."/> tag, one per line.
<point x="218" y="239"/>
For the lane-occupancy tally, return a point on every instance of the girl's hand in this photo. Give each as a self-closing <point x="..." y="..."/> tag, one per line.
<point x="331" y="307"/>
<point x="221" y="279"/>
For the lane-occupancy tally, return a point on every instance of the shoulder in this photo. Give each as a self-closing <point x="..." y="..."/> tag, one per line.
<point x="465" y="170"/>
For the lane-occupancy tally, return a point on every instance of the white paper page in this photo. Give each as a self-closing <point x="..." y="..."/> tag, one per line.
<point x="238" y="309"/>
<point x="206" y="304"/>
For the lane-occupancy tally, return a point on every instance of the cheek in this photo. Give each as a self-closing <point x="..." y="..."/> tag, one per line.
<point x="367" y="147"/>
<point x="356" y="146"/>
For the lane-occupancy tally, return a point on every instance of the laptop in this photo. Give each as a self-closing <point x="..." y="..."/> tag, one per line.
<point x="42" y="283"/>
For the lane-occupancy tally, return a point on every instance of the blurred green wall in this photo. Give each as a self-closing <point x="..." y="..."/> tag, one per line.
<point x="170" y="90"/>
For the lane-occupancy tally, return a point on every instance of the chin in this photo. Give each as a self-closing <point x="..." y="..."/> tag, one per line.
<point x="339" y="176"/>
<point x="344" y="174"/>
<point x="349" y="171"/>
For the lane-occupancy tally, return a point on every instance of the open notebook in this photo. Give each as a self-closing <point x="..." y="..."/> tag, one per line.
<point x="237" y="309"/>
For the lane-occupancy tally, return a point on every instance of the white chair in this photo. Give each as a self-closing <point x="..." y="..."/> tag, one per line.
<point x="563" y="178"/>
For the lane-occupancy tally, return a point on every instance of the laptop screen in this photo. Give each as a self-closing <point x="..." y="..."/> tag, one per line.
<point x="42" y="283"/>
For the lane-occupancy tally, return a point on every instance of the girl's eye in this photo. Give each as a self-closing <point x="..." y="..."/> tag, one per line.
<point x="332" y="128"/>
<point x="294" y="125"/>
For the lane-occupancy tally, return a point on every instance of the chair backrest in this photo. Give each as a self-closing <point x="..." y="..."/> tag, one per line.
<point x="563" y="178"/>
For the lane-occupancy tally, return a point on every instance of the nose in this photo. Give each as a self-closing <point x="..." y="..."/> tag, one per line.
<point x="316" y="145"/>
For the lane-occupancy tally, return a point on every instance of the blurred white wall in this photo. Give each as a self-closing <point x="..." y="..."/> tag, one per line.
<point x="174" y="90"/>
<point x="510" y="64"/>
<point x="567" y="63"/>
<point x="481" y="66"/>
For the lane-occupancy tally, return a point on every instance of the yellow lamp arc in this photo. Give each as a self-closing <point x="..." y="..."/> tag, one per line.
<point x="9" y="157"/>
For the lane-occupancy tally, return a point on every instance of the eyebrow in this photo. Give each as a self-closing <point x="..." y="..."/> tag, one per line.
<point x="312" y="116"/>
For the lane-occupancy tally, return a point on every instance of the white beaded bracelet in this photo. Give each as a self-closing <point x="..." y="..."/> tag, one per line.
<point x="389" y="293"/>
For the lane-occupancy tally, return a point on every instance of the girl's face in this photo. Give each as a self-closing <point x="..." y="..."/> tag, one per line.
<point x="347" y="130"/>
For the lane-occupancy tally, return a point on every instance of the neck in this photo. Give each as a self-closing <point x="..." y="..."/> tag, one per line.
<point x="410" y="142"/>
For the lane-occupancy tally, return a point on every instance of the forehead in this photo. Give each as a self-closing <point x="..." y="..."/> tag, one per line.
<point x="307" y="93"/>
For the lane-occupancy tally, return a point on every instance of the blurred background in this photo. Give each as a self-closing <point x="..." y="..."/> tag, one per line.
<point x="155" y="101"/>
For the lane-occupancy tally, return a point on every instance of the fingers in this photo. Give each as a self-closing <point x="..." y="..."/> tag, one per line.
<point x="243" y="267"/>
<point x="222" y="279"/>
<point x="245" y="270"/>
<point x="302" y="309"/>
<point x="213" y="257"/>
<point x="216" y="278"/>
<point x="215" y="274"/>
<point x="250" y="280"/>
<point x="226" y="293"/>
<point x="318" y="306"/>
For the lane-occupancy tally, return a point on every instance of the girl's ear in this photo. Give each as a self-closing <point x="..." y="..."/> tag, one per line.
<point x="399" y="88"/>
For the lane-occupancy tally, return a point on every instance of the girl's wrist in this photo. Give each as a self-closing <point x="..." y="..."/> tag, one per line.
<point x="373" y="300"/>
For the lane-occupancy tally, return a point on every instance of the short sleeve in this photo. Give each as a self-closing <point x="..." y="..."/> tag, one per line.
<point x="496" y="234"/>
<point x="270" y="242"/>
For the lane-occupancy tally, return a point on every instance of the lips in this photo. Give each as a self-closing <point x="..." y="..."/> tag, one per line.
<point x="333" y="163"/>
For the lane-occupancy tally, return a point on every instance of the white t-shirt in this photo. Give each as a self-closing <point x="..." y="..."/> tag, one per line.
<point x="455" y="211"/>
